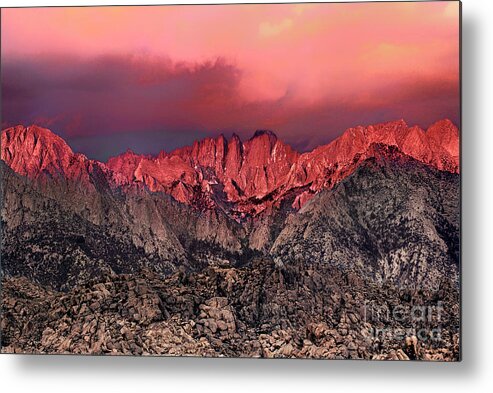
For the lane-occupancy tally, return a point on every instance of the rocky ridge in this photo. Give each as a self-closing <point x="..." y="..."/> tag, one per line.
<point x="242" y="178"/>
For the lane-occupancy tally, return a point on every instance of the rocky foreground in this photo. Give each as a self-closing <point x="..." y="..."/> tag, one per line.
<point x="257" y="311"/>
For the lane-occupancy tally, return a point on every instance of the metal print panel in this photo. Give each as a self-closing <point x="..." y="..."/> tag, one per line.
<point x="264" y="180"/>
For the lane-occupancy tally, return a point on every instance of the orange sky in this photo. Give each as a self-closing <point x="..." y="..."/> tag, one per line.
<point x="330" y="64"/>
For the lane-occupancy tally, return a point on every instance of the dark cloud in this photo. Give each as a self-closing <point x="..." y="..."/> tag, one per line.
<point x="106" y="104"/>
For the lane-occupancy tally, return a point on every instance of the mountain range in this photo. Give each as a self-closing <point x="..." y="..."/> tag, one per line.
<point x="232" y="245"/>
<point x="242" y="178"/>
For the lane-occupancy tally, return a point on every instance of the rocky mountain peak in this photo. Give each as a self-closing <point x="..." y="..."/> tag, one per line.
<point x="32" y="150"/>
<point x="445" y="134"/>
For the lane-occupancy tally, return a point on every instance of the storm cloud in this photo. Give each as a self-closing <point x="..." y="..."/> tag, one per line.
<point x="156" y="78"/>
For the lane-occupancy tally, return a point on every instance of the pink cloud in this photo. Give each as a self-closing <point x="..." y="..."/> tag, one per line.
<point x="298" y="68"/>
